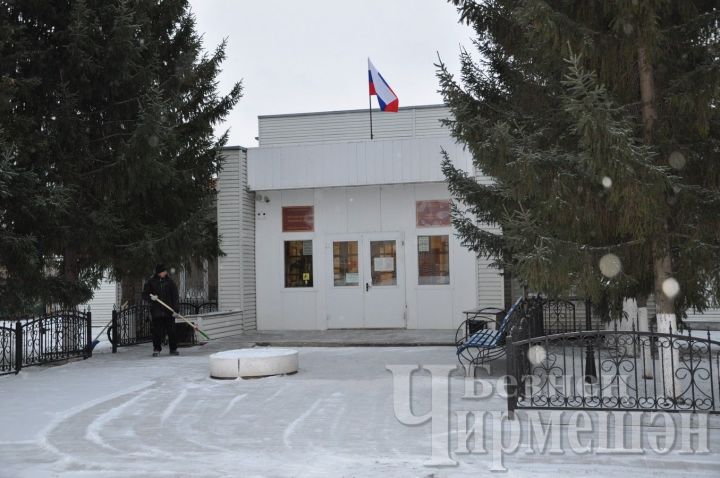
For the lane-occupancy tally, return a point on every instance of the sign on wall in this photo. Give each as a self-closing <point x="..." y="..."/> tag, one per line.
<point x="432" y="213"/>
<point x="384" y="264"/>
<point x="298" y="219"/>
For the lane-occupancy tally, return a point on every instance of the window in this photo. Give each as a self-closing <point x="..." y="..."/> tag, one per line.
<point x="345" y="263"/>
<point x="298" y="264"/>
<point x="433" y="260"/>
<point x="298" y="219"/>
<point x="382" y="263"/>
<point x="432" y="213"/>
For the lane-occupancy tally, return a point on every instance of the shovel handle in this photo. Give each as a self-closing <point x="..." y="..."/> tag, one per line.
<point x="157" y="299"/>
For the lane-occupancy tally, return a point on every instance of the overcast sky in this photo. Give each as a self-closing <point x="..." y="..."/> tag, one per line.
<point x="311" y="55"/>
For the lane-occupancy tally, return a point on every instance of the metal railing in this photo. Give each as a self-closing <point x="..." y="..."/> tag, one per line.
<point x="625" y="370"/>
<point x="51" y="337"/>
<point x="197" y="306"/>
<point x="132" y="325"/>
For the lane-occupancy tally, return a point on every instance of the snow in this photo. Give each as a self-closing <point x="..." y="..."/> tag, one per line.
<point x="132" y="415"/>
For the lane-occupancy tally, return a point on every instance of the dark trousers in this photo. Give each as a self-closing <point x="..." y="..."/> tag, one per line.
<point x="161" y="326"/>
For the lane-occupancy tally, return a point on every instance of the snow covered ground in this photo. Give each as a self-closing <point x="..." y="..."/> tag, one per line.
<point x="131" y="415"/>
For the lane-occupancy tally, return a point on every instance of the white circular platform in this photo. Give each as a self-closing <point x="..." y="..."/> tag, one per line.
<point x="253" y="362"/>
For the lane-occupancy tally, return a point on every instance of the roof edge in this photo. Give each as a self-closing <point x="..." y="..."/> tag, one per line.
<point x="361" y="110"/>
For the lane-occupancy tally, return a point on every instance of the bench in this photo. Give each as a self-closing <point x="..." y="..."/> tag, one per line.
<point x="477" y="343"/>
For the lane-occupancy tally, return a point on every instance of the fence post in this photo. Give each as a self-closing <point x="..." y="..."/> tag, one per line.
<point x="511" y="385"/>
<point x="18" y="346"/>
<point x="590" y="370"/>
<point x="89" y="334"/>
<point x="114" y="329"/>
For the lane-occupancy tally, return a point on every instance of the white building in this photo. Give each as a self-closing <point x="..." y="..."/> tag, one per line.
<point x="347" y="232"/>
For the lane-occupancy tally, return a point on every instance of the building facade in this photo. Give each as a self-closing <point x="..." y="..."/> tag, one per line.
<point x="324" y="228"/>
<point x="348" y="232"/>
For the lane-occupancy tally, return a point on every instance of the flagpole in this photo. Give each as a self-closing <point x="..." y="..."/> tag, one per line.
<point x="370" y="110"/>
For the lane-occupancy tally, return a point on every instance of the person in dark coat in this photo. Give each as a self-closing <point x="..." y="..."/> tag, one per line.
<point x="163" y="320"/>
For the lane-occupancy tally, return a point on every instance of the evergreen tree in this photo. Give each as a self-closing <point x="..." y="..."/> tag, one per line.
<point x="598" y="123"/>
<point x="110" y="106"/>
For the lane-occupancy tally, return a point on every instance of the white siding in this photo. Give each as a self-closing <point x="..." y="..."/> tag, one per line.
<point x="490" y="283"/>
<point x="360" y="163"/>
<point x="218" y="325"/>
<point x="710" y="315"/>
<point x="236" y="226"/>
<point x="101" y="306"/>
<point x="229" y="228"/>
<point x="490" y="291"/>
<point x="352" y="125"/>
<point x="247" y="249"/>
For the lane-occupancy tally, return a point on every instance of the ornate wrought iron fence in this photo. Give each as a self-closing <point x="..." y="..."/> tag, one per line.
<point x="51" y="337"/>
<point x="613" y="370"/>
<point x="197" y="306"/>
<point x="9" y="350"/>
<point x="558" y="317"/>
<point x="131" y="325"/>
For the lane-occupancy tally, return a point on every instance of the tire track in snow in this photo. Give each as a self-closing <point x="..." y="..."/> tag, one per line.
<point x="172" y="406"/>
<point x="232" y="404"/>
<point x="276" y="394"/>
<point x="291" y="428"/>
<point x="332" y="406"/>
<point x="92" y="432"/>
<point x="186" y="430"/>
<point x="43" y="439"/>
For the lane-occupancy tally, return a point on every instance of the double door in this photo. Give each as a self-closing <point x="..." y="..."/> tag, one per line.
<point x="366" y="287"/>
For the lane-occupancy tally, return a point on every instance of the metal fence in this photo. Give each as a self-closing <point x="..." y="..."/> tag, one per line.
<point x="9" y="356"/>
<point x="132" y="325"/>
<point x="626" y="370"/>
<point x="51" y="337"/>
<point x="197" y="306"/>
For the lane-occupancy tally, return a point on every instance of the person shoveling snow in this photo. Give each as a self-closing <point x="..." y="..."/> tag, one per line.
<point x="161" y="289"/>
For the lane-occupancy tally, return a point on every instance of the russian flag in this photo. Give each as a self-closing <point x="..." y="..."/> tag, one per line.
<point x="378" y="86"/>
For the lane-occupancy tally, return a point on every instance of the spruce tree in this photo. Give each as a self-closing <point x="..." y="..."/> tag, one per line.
<point x="598" y="123"/>
<point x="111" y="106"/>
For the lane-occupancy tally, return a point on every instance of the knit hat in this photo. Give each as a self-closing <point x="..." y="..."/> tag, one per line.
<point x="159" y="268"/>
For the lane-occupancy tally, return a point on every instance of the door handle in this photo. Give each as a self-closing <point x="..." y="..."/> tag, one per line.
<point x="367" y="286"/>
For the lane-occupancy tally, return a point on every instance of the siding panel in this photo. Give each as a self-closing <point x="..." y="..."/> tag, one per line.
<point x="101" y="306"/>
<point x="219" y="325"/>
<point x="391" y="161"/>
<point x="229" y="227"/>
<point x="336" y="126"/>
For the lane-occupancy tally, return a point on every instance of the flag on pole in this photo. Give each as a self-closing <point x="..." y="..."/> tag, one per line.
<point x="378" y="86"/>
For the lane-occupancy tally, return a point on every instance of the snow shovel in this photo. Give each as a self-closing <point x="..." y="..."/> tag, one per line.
<point x="157" y="299"/>
<point x="97" y="339"/>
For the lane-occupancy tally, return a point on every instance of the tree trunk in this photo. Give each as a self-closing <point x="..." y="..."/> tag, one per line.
<point x="70" y="275"/>
<point x="662" y="262"/>
<point x="647" y="94"/>
<point x="130" y="292"/>
<point x="666" y="321"/>
<point x="644" y="341"/>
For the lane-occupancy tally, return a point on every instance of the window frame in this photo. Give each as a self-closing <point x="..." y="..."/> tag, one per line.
<point x="435" y="233"/>
<point x="359" y="243"/>
<point x="294" y="237"/>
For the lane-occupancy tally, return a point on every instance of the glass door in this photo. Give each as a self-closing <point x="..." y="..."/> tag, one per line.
<point x="384" y="286"/>
<point x="366" y="286"/>
<point x="345" y="308"/>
